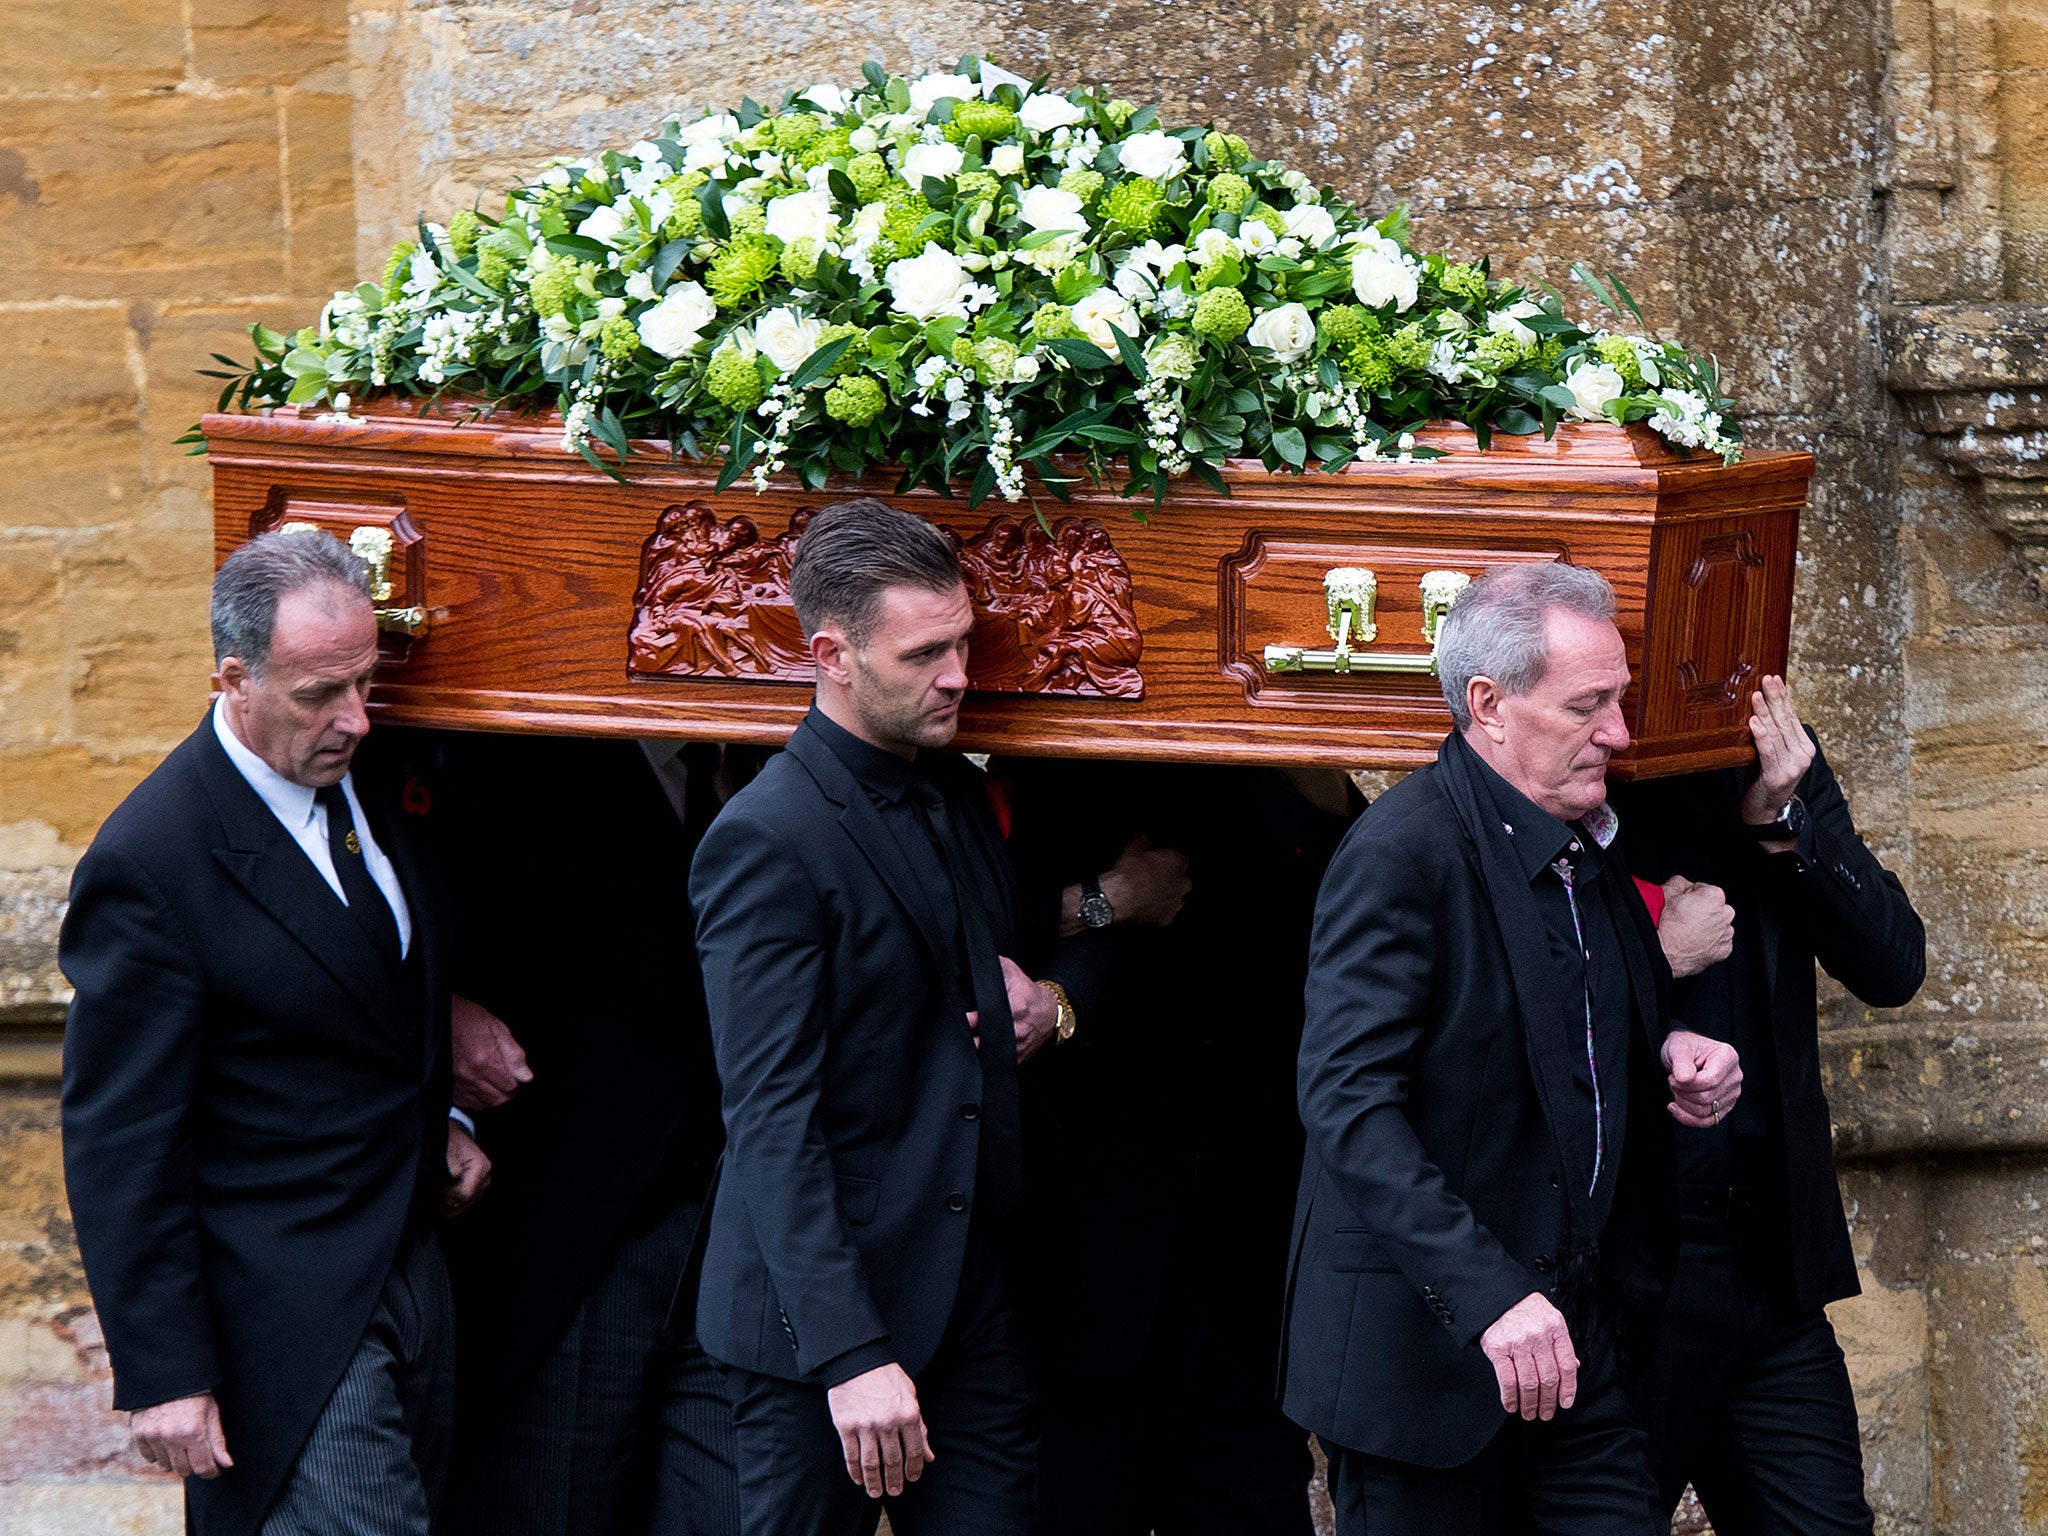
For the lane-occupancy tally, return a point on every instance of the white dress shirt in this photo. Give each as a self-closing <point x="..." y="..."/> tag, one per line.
<point x="306" y="820"/>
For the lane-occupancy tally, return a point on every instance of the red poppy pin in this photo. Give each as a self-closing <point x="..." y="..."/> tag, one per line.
<point x="415" y="799"/>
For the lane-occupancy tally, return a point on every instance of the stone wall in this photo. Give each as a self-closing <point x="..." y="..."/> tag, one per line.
<point x="1815" y="189"/>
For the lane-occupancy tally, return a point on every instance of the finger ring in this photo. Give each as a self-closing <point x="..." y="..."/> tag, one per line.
<point x="1714" y="1108"/>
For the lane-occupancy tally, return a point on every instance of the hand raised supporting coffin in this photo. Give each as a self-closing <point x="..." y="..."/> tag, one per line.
<point x="563" y="601"/>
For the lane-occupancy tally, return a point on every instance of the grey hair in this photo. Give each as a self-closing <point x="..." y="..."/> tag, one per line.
<point x="1496" y="628"/>
<point x="854" y="551"/>
<point x="261" y="574"/>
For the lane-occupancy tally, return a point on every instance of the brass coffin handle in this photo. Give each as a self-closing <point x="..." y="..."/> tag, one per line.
<point x="1352" y="593"/>
<point x="373" y="547"/>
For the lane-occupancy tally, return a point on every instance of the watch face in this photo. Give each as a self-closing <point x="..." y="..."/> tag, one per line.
<point x="1096" y="911"/>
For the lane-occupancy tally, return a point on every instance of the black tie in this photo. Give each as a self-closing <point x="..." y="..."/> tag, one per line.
<point x="366" y="902"/>
<point x="1002" y="1171"/>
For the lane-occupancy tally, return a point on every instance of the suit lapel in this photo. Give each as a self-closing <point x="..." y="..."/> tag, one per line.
<point x="418" y="879"/>
<point x="264" y="860"/>
<point x="863" y="825"/>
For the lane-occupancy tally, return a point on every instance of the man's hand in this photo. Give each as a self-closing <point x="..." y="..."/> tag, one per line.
<point x="880" y="1429"/>
<point x="1783" y="754"/>
<point x="489" y="1065"/>
<point x="1033" y="1010"/>
<point x="1533" y="1359"/>
<point x="1706" y="1078"/>
<point x="182" y="1436"/>
<point x="1146" y="885"/>
<point x="469" y="1171"/>
<point x="1698" y="926"/>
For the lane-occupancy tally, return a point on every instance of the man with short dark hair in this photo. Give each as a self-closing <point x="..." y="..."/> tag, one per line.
<point x="1482" y="1080"/>
<point x="256" y="1133"/>
<point x="855" y="917"/>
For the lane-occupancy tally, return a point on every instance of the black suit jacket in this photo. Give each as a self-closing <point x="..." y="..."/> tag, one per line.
<point x="253" y="1108"/>
<point x="568" y="873"/>
<point x="1832" y="902"/>
<point x="852" y="1089"/>
<point x="1431" y="1194"/>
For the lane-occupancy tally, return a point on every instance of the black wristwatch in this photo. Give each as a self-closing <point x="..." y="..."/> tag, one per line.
<point x="1096" y="912"/>
<point x="1785" y="827"/>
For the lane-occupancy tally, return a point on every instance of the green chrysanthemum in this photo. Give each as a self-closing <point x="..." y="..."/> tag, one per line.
<point x="737" y="272"/>
<point x="397" y="267"/>
<point x="1136" y="206"/>
<point x="1119" y="112"/>
<point x="1463" y="282"/>
<point x="850" y="359"/>
<point x="1229" y="193"/>
<point x="1368" y="362"/>
<point x="493" y="270"/>
<point x="870" y="176"/>
<point x="1548" y="353"/>
<point x="971" y="187"/>
<point x="856" y="401"/>
<point x="832" y="144"/>
<point x="747" y="219"/>
<point x="733" y="380"/>
<point x="1052" y="321"/>
<point x="1617" y="351"/>
<point x="994" y="358"/>
<point x="555" y="289"/>
<point x="1226" y="150"/>
<point x="1496" y="351"/>
<point x="463" y="230"/>
<point x="1221" y="315"/>
<point x="1409" y="347"/>
<point x="899" y="237"/>
<point x="800" y="260"/>
<point x="984" y="120"/>
<point x="963" y="351"/>
<point x="1084" y="182"/>
<point x="795" y="130"/>
<point x="619" y="339"/>
<point x="1344" y="324"/>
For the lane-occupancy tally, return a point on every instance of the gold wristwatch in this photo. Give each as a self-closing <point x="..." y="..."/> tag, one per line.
<point x="1063" y="1027"/>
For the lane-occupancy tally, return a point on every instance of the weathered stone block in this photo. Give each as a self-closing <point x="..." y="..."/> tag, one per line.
<point x="33" y="695"/>
<point x="320" y="191"/>
<point x="71" y="425"/>
<point x="180" y="340"/>
<point x="266" y="42"/>
<point x="128" y="45"/>
<point x="152" y="196"/>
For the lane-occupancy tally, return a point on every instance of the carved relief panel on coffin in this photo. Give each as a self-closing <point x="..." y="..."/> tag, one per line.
<point x="1053" y="607"/>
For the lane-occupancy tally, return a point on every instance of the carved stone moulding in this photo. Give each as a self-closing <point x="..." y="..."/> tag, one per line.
<point x="1974" y="382"/>
<point x="1290" y="621"/>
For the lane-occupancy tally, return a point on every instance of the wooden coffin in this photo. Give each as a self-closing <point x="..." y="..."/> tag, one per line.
<point x="528" y="592"/>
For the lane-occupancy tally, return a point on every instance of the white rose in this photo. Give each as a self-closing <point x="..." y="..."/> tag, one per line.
<point x="1134" y="282"/>
<point x="1592" y="386"/>
<point x="1051" y="208"/>
<point x="927" y="90"/>
<point x="827" y="98"/>
<point x="610" y="309"/>
<point x="802" y="216"/>
<point x="1100" y="310"/>
<point x="676" y="324"/>
<point x="640" y="286"/>
<point x="787" y="338"/>
<point x="1007" y="160"/>
<point x="1310" y="222"/>
<point x="604" y="225"/>
<point x="929" y="285"/>
<point x="1287" y="332"/>
<point x="704" y="141"/>
<point x="1045" y="112"/>
<point x="863" y="140"/>
<point x="940" y="160"/>
<point x="1255" y="236"/>
<point x="1381" y="273"/>
<point x="1508" y="322"/>
<point x="1212" y="246"/>
<point x="1154" y="154"/>
<point x="1024" y="370"/>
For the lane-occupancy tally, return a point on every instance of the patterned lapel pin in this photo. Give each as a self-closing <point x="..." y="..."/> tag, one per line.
<point x="352" y="843"/>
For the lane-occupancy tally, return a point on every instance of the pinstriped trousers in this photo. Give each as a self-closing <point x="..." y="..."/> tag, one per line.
<point x="377" y="1458"/>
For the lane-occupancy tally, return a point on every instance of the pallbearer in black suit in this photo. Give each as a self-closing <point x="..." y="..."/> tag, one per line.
<point x="1746" y="1395"/>
<point x="1483" y="1081"/>
<point x="854" y="924"/>
<point x="256" y="1086"/>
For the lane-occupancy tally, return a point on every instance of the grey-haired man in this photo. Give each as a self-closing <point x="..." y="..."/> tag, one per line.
<point x="1484" y="1077"/>
<point x="256" y="1087"/>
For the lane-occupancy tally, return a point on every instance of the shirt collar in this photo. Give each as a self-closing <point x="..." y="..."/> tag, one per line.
<point x="290" y="803"/>
<point x="877" y="768"/>
<point x="1539" y="838"/>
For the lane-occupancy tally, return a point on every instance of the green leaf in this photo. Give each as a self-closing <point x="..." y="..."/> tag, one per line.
<point x="841" y="186"/>
<point x="1557" y="395"/>
<point x="580" y="246"/>
<point x="942" y="333"/>
<point x="1290" y="445"/>
<point x="1395" y="225"/>
<point x="942" y="110"/>
<point x="1038" y="237"/>
<point x="936" y="192"/>
<point x="301" y="361"/>
<point x="1132" y="354"/>
<point x="1327" y="448"/>
<point x="874" y="75"/>
<point x="1144" y="118"/>
<point x="1120" y="436"/>
<point x="666" y="260"/>
<point x="984" y="483"/>
<point x="1630" y="300"/>
<point x="1516" y="422"/>
<point x="1080" y="351"/>
<point x="751" y="112"/>
<point x="1585" y="275"/>
<point x="308" y="388"/>
<point x="1049" y="440"/>
<point x="820" y="363"/>
<point x="711" y="199"/>
<point x="590" y="457"/>
<point x="1208" y="474"/>
<point x="1320" y="284"/>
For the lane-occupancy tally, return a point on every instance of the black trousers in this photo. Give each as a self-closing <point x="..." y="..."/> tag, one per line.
<point x="1584" y="1473"/>
<point x="976" y="1402"/>
<point x="377" y="1458"/>
<point x="1747" y="1398"/>
<point x="619" y="1432"/>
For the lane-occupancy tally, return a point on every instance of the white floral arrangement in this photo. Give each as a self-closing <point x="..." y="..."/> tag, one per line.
<point x="964" y="275"/>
